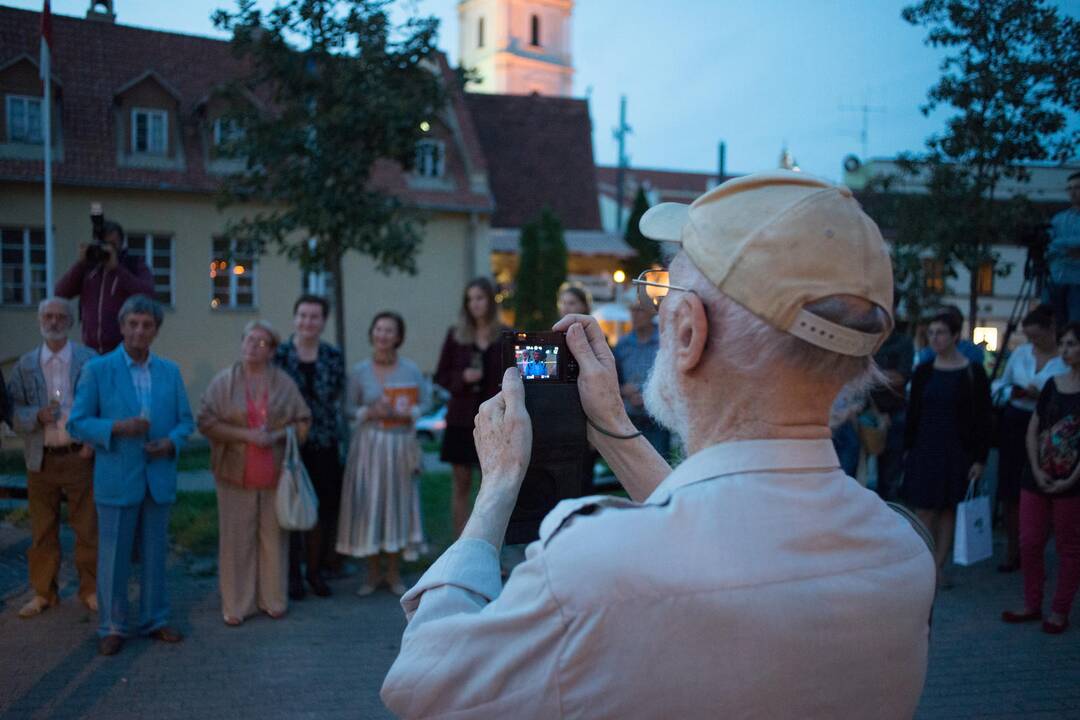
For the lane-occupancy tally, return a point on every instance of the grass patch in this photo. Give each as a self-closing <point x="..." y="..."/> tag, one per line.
<point x="12" y="463"/>
<point x="193" y="522"/>
<point x="17" y="516"/>
<point x="194" y="458"/>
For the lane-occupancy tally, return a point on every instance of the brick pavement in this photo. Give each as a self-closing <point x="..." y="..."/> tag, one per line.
<point x="327" y="658"/>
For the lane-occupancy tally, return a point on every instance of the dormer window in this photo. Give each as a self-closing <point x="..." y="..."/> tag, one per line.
<point x="430" y="159"/>
<point x="226" y="130"/>
<point x="149" y="131"/>
<point x="24" y="120"/>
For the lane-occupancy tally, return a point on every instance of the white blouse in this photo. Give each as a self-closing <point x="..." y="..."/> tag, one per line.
<point x="1020" y="372"/>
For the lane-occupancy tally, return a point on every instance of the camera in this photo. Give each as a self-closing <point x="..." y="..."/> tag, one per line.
<point x="96" y="253"/>
<point x="549" y="372"/>
<point x="540" y="356"/>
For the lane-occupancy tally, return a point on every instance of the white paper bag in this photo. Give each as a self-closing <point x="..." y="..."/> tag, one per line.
<point x="973" y="541"/>
<point x="296" y="505"/>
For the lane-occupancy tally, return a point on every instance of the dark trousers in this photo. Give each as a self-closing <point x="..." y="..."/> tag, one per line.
<point x="315" y="547"/>
<point x="890" y="462"/>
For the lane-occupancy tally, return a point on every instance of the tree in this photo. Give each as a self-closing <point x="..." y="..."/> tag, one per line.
<point x="1011" y="77"/>
<point x="647" y="250"/>
<point x="341" y="88"/>
<point x="541" y="271"/>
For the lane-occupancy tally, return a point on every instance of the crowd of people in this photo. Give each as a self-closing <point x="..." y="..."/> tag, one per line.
<point x="793" y="564"/>
<point x="104" y="431"/>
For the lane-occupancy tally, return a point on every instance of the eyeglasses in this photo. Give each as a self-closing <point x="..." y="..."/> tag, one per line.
<point x="653" y="287"/>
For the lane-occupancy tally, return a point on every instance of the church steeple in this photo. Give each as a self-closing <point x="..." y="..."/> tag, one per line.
<point x="517" y="47"/>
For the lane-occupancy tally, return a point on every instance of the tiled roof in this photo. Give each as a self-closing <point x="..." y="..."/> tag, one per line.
<point x="94" y="60"/>
<point x="539" y="152"/>
<point x="668" y="185"/>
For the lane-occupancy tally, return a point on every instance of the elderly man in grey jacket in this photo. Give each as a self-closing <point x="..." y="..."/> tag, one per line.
<point x="41" y="391"/>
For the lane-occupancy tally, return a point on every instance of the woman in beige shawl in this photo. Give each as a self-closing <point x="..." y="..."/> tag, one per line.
<point x="245" y="413"/>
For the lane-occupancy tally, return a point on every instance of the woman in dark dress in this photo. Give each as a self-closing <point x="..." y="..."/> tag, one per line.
<point x="947" y="436"/>
<point x="1050" y="493"/>
<point x="318" y="369"/>
<point x="470" y="368"/>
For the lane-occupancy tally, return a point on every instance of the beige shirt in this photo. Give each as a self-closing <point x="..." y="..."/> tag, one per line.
<point x="56" y="367"/>
<point x="757" y="581"/>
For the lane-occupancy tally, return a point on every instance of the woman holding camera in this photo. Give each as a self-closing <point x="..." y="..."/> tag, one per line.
<point x="470" y="368"/>
<point x="246" y="411"/>
<point x="380" y="499"/>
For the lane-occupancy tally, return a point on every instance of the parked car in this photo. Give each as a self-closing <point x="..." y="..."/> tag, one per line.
<point x="430" y="427"/>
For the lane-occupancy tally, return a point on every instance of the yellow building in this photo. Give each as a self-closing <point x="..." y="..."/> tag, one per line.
<point x="134" y="128"/>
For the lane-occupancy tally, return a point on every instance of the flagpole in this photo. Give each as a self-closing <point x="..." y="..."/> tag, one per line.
<point x="46" y="129"/>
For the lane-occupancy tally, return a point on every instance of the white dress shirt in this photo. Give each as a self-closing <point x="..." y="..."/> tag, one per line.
<point x="756" y="581"/>
<point x="1020" y="372"/>
<point x="56" y="367"/>
<point x="140" y="378"/>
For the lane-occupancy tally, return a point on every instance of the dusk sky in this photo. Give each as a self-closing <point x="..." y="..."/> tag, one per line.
<point x="754" y="74"/>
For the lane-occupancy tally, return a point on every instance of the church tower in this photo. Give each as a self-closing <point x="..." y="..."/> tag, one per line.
<point x="517" y="47"/>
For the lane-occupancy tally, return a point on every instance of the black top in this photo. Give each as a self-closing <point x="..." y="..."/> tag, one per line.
<point x="322" y="385"/>
<point x="973" y="409"/>
<point x="1059" y="437"/>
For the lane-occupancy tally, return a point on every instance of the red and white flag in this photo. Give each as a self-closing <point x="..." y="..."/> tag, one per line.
<point x="46" y="40"/>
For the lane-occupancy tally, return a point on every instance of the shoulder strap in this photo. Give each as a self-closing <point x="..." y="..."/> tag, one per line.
<point x="916" y="524"/>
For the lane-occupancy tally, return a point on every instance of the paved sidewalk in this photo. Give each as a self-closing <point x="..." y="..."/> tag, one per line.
<point x="327" y="658"/>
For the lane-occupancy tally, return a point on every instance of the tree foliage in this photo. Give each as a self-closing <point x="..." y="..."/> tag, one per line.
<point x="331" y="88"/>
<point x="1010" y="75"/>
<point x="541" y="270"/>
<point x="647" y="250"/>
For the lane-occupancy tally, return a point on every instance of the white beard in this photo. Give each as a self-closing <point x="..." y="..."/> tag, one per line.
<point x="661" y="393"/>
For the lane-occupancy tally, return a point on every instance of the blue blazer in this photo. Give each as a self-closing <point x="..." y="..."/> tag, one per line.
<point x="122" y="469"/>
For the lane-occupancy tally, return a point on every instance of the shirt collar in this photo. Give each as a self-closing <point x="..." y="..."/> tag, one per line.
<point x="748" y="456"/>
<point x="64" y="354"/>
<point x="131" y="363"/>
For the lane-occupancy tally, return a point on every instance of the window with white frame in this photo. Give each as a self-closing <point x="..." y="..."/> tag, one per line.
<point x="157" y="252"/>
<point x="317" y="280"/>
<point x="430" y="158"/>
<point x="24" y="123"/>
<point x="23" y="266"/>
<point x="232" y="275"/>
<point x="226" y="130"/>
<point x="149" y="131"/>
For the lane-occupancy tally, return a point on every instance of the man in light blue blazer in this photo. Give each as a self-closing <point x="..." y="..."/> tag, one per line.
<point x="132" y="407"/>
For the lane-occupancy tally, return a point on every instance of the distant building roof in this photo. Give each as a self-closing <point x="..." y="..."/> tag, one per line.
<point x="539" y="153"/>
<point x="662" y="185"/>
<point x="578" y="242"/>
<point x="94" y="61"/>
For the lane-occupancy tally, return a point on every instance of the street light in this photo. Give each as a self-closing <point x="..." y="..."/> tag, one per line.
<point x="619" y="277"/>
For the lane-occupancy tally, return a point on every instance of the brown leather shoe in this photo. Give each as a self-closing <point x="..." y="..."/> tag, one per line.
<point x="110" y="644"/>
<point x="166" y="635"/>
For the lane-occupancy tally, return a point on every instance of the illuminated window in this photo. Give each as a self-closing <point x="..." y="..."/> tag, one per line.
<point x="987" y="335"/>
<point x="232" y="276"/>
<point x="933" y="275"/>
<point x="157" y="252"/>
<point x="984" y="279"/>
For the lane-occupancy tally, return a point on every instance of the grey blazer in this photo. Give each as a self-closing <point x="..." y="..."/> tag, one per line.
<point x="27" y="394"/>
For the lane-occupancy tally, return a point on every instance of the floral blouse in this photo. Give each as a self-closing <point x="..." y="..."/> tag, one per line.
<point x="322" y="390"/>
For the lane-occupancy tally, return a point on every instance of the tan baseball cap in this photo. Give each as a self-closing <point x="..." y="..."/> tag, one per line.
<point x="775" y="241"/>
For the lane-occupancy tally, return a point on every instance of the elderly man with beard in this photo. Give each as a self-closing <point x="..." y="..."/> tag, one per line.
<point x="57" y="467"/>
<point x="754" y="580"/>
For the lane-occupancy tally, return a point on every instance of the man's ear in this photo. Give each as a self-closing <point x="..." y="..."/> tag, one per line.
<point x="691" y="328"/>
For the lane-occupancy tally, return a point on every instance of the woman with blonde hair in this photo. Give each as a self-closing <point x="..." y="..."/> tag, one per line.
<point x="246" y="411"/>
<point x="470" y="368"/>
